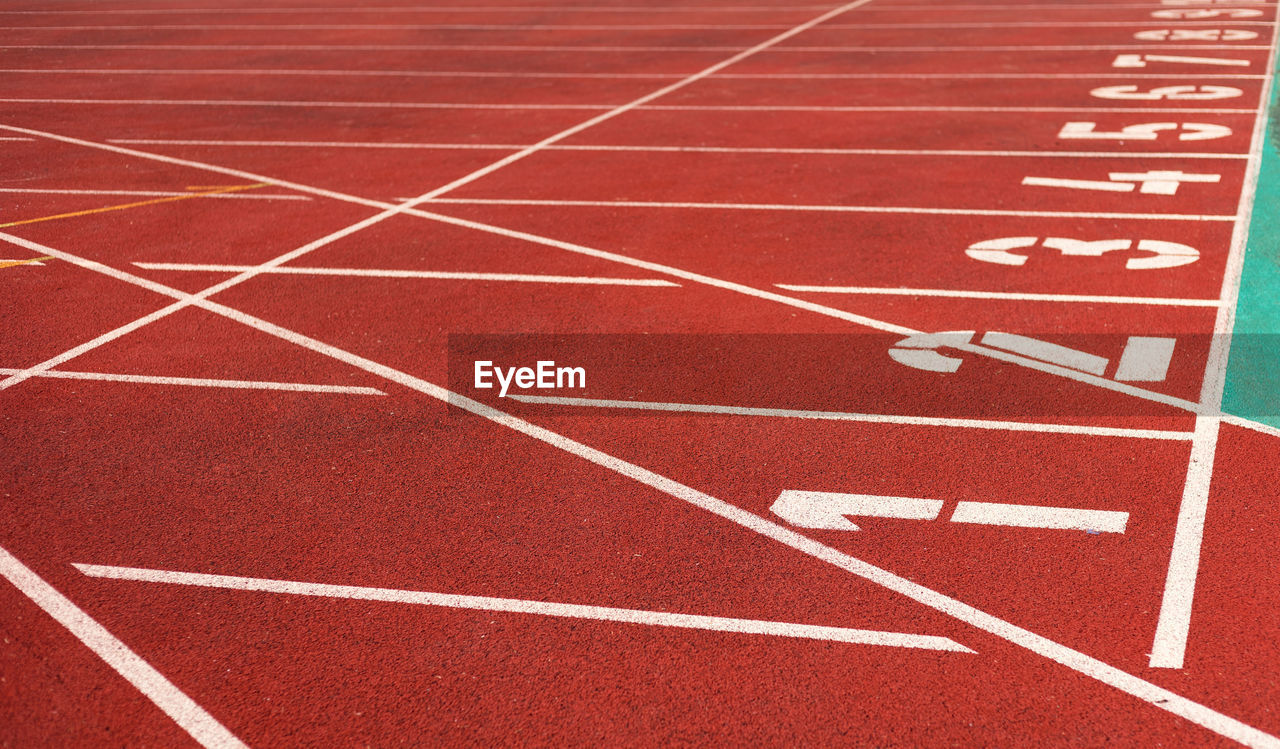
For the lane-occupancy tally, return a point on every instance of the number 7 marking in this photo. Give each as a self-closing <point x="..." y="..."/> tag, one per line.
<point x="1140" y="61"/>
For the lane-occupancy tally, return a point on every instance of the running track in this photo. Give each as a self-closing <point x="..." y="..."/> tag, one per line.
<point x="252" y="251"/>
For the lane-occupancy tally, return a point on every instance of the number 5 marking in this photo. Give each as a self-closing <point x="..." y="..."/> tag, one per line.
<point x="1145" y="131"/>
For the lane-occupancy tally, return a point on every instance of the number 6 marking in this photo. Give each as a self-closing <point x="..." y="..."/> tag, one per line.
<point x="1175" y="93"/>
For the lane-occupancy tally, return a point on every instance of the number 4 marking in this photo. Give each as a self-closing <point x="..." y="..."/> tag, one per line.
<point x="1196" y="35"/>
<point x="1153" y="183"/>
<point x="1145" y="131"/>
<point x="1140" y="61"/>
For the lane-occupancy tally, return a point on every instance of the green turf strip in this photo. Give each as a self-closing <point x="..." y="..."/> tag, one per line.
<point x="1253" y="370"/>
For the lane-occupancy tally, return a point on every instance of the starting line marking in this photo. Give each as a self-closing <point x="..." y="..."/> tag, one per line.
<point x="827" y="511"/>
<point x="624" y="48"/>
<point x="445" y="9"/>
<point x="833" y="208"/>
<point x="670" y="149"/>
<point x="932" y="421"/>
<point x="544" y="8"/>
<point x="184" y="711"/>
<point x="522" y="606"/>
<point x="611" y="107"/>
<point x="201" y="382"/>
<point x="432" y="274"/>
<point x="1165" y="301"/>
<point x="148" y="193"/>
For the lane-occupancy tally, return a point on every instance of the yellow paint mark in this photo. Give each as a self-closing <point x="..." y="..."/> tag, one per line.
<point x="12" y="263"/>
<point x="156" y="201"/>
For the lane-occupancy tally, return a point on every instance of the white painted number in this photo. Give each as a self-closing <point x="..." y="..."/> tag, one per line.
<point x="1144" y="131"/>
<point x="828" y="511"/>
<point x="1144" y="359"/>
<point x="1163" y="254"/>
<point x="1140" y="61"/>
<point x="1173" y="93"/>
<point x="1196" y="35"/>
<point x="1198" y="14"/>
<point x="1150" y="183"/>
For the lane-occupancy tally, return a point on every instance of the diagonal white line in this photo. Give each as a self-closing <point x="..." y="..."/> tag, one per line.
<point x="184" y="711"/>
<point x="524" y="606"/>
<point x="1122" y="680"/>
<point x="297" y="387"/>
<point x="961" y="294"/>
<point x="424" y="274"/>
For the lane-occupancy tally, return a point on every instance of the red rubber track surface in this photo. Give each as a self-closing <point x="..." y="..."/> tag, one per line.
<point x="867" y="151"/>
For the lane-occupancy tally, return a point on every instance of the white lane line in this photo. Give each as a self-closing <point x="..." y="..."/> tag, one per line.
<point x="7" y="139"/>
<point x="439" y="9"/>
<point x="149" y="193"/>
<point x="426" y="274"/>
<point x="18" y="263"/>
<point x="578" y="249"/>
<point x="1019" y="48"/>
<point x="606" y="49"/>
<point x="392" y="73"/>
<point x="1056" y="6"/>
<point x="1047" y="24"/>
<point x="379" y="10"/>
<point x="927" y="108"/>
<point x="1169" y="645"/>
<point x="1032" y="516"/>
<point x="929" y="421"/>
<point x="1152" y="694"/>
<point x="184" y="711"/>
<point x="652" y="107"/>
<point x="407" y="27"/>
<point x="837" y="209"/>
<point x="523" y="606"/>
<point x="450" y="27"/>
<point x="297" y="387"/>
<point x="323" y="72"/>
<point x="605" y="9"/>
<point x="379" y="48"/>
<point x="312" y="104"/>
<point x="1158" y="301"/>
<point x="672" y="149"/>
